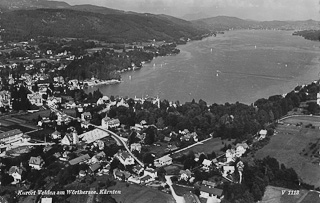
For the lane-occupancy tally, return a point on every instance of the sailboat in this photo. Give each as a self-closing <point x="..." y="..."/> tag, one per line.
<point x="255" y="46"/>
<point x="211" y="49"/>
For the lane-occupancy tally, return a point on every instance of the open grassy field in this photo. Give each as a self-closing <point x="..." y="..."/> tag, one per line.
<point x="287" y="146"/>
<point x="139" y="194"/>
<point x="208" y="147"/>
<point x="305" y="119"/>
<point x="274" y="195"/>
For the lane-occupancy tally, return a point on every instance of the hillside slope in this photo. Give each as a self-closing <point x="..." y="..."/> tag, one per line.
<point x="22" y="24"/>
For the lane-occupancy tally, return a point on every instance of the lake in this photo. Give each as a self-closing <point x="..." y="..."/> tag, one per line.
<point x="242" y="65"/>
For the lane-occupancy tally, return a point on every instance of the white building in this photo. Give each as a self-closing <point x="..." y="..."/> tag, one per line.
<point x="36" y="162"/>
<point x="125" y="158"/>
<point x="162" y="161"/>
<point x="110" y="122"/>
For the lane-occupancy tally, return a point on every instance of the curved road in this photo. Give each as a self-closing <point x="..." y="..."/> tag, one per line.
<point x="113" y="135"/>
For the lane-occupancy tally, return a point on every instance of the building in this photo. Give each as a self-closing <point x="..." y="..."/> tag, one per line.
<point x="135" y="146"/>
<point x="16" y="173"/>
<point x="93" y="135"/>
<point x="206" y="164"/>
<point x="70" y="139"/>
<point x="228" y="170"/>
<point x="162" y="161"/>
<point x="86" y="116"/>
<point x="207" y="191"/>
<point x="35" y="99"/>
<point x="56" y="135"/>
<point x="11" y="136"/>
<point x="79" y="159"/>
<point x="263" y="134"/>
<point x="110" y="122"/>
<point x="36" y="162"/>
<point x="125" y="158"/>
<point x="185" y="175"/>
<point x="5" y="97"/>
<point x="151" y="172"/>
<point x="94" y="167"/>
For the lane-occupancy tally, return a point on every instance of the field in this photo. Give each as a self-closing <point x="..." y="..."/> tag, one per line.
<point x="315" y="121"/>
<point x="287" y="146"/>
<point x="274" y="195"/>
<point x="139" y="194"/>
<point x="208" y="147"/>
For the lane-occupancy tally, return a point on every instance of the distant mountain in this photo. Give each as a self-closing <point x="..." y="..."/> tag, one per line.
<point x="225" y="23"/>
<point x="31" y="4"/>
<point x="195" y="16"/>
<point x="23" y="24"/>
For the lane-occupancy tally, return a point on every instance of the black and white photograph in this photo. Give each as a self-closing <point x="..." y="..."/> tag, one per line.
<point x="159" y="101"/>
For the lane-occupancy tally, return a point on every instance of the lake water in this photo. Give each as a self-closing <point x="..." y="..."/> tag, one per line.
<point x="242" y="65"/>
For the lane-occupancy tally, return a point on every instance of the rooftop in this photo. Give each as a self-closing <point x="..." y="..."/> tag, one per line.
<point x="10" y="133"/>
<point x="79" y="159"/>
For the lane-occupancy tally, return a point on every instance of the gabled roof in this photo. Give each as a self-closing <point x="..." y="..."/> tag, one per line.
<point x="147" y="177"/>
<point x="15" y="169"/>
<point x="79" y="159"/>
<point x="95" y="166"/>
<point x="10" y="133"/>
<point x="211" y="190"/>
<point x="206" y="162"/>
<point x="36" y="160"/>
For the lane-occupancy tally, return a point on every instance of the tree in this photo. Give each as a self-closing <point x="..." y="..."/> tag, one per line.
<point x="148" y="159"/>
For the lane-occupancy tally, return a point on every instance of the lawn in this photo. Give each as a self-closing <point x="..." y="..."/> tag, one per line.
<point x="139" y="194"/>
<point x="287" y="146"/>
<point x="274" y="195"/>
<point x="315" y="121"/>
<point x="209" y="146"/>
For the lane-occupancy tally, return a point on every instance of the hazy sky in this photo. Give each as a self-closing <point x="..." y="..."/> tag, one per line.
<point x="246" y="9"/>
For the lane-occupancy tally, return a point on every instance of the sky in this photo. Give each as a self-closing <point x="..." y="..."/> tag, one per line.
<point x="245" y="9"/>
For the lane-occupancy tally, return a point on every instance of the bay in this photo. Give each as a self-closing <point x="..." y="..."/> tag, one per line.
<point x="241" y="65"/>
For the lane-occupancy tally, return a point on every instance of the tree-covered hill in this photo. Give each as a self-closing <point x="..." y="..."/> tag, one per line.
<point x="23" y="24"/>
<point x="219" y="23"/>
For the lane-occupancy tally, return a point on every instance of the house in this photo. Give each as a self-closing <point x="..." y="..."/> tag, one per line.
<point x="185" y="175"/>
<point x="121" y="175"/>
<point x="5" y="97"/>
<point x="162" y="161"/>
<point x="208" y="183"/>
<point x="146" y="179"/>
<point x="56" y="135"/>
<point x="82" y="173"/>
<point x="110" y="122"/>
<point x="137" y="169"/>
<point x="135" y="146"/>
<point x="35" y="99"/>
<point x="228" y="170"/>
<point x="70" y="139"/>
<point x="134" y="179"/>
<point x="241" y="149"/>
<point x="11" y="136"/>
<point x="230" y="155"/>
<point x="86" y="116"/>
<point x="46" y="200"/>
<point x="36" y="162"/>
<point x="207" y="191"/>
<point x="263" y="134"/>
<point x="206" y="164"/>
<point x="122" y="103"/>
<point x="79" y="159"/>
<point x="151" y="172"/>
<point x="125" y="158"/>
<point x="16" y="173"/>
<point x="94" y="167"/>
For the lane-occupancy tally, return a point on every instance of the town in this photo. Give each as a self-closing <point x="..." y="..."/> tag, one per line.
<point x="55" y="137"/>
